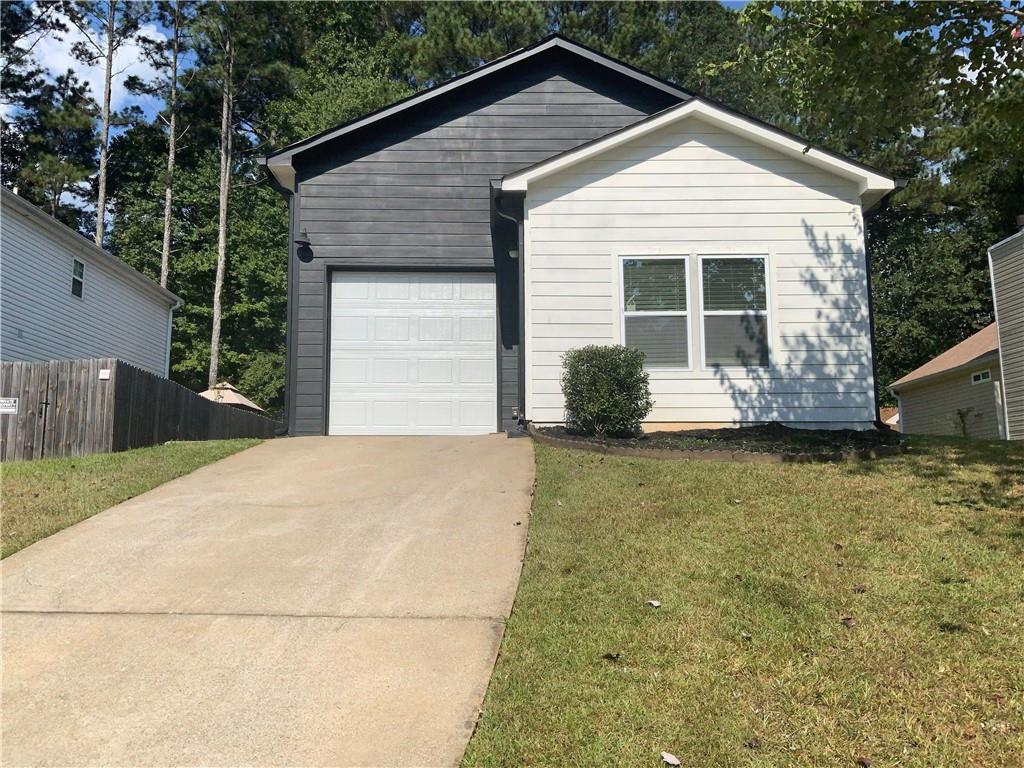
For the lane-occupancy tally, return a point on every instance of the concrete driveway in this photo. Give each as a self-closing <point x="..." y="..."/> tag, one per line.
<point x="311" y="601"/>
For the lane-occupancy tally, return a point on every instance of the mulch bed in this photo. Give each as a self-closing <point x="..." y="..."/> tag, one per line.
<point x="767" y="443"/>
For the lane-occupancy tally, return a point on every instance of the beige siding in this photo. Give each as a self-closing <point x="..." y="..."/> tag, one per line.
<point x="694" y="189"/>
<point x="951" y="403"/>
<point x="1007" y="262"/>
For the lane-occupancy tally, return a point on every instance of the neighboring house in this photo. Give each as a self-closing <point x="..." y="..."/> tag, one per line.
<point x="956" y="393"/>
<point x="63" y="298"/>
<point x="1006" y="265"/>
<point x="447" y="250"/>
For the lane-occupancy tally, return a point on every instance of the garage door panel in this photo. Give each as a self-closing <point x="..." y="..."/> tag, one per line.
<point x="413" y="354"/>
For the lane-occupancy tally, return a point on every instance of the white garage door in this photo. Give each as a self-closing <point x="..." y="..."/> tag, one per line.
<point x="412" y="354"/>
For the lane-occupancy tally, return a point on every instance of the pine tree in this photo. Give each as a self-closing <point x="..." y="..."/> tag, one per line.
<point x="57" y="129"/>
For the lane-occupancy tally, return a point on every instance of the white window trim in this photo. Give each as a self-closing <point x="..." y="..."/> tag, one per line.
<point x="980" y="377"/>
<point x="74" y="263"/>
<point x="640" y="255"/>
<point x="767" y="311"/>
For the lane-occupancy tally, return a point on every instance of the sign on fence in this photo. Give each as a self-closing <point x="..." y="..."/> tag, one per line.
<point x="9" y="405"/>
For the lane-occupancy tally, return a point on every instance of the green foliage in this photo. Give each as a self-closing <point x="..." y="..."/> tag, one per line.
<point x="606" y="390"/>
<point x="54" y="137"/>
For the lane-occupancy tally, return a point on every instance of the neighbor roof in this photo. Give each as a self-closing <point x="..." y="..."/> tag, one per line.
<point x="873" y="185"/>
<point x="280" y="163"/>
<point x="975" y="349"/>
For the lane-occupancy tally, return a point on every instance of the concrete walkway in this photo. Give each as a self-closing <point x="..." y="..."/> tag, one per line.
<point x="311" y="601"/>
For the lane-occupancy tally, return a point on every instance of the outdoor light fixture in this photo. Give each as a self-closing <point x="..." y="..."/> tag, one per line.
<point x="303" y="239"/>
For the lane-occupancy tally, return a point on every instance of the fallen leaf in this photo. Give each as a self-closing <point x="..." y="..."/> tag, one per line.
<point x="613" y="657"/>
<point x="737" y="501"/>
<point x="653" y="603"/>
<point x="558" y="502"/>
<point x="518" y="522"/>
<point x="746" y="636"/>
<point x="860" y="589"/>
<point x="752" y="743"/>
<point x="847" y="621"/>
<point x="837" y="546"/>
<point x="864" y="762"/>
<point x="669" y="759"/>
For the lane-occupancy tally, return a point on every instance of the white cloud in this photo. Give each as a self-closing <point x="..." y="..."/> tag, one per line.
<point x="54" y="55"/>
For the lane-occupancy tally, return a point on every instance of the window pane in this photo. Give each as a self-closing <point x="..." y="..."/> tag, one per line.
<point x="76" y="287"/>
<point x="654" y="285"/>
<point x="734" y="284"/>
<point x="736" y="340"/>
<point x="662" y="339"/>
<point x="79" y="269"/>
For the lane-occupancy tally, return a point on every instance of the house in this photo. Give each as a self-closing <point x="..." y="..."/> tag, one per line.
<point x="1006" y="267"/>
<point x="448" y="249"/>
<point x="976" y="389"/>
<point x="956" y="393"/>
<point x="63" y="298"/>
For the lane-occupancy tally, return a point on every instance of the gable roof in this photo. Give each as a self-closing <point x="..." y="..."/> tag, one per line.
<point x="873" y="185"/>
<point x="972" y="350"/>
<point x="280" y="163"/>
<point x="84" y="247"/>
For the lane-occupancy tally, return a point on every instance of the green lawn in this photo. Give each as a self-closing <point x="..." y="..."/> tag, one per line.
<point x="749" y="661"/>
<point x="42" y="497"/>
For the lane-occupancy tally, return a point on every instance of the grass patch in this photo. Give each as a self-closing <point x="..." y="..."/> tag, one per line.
<point x="811" y="614"/>
<point x="43" y="497"/>
<point x="764" y="438"/>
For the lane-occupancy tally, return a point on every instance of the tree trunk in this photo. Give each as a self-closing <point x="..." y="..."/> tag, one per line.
<point x="172" y="106"/>
<point x="108" y="75"/>
<point x="226" y="125"/>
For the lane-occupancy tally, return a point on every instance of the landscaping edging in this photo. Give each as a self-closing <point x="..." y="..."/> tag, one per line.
<point x="749" y="457"/>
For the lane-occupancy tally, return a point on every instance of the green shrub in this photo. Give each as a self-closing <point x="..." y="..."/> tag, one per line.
<point x="606" y="391"/>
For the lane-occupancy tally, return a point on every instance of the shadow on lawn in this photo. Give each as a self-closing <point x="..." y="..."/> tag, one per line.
<point x="959" y="463"/>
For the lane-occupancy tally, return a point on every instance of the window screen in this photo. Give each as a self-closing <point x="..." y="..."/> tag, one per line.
<point x="735" y="295"/>
<point x="654" y="303"/>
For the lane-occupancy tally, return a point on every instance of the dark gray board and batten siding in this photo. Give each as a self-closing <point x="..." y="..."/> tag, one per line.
<point x="413" y="192"/>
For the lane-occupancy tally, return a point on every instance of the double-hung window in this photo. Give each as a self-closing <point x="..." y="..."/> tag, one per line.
<point x="734" y="307"/>
<point x="77" y="278"/>
<point x="656" y="317"/>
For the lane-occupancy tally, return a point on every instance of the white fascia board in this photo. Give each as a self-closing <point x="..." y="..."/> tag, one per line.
<point x="871" y="186"/>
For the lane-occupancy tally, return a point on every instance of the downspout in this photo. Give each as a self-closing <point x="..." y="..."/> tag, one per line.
<point x="289" y="197"/>
<point x="170" y="331"/>
<point x="900" y="184"/>
<point x="521" y="310"/>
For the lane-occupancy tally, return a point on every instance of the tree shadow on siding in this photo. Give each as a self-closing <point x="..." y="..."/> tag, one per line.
<point x="820" y="364"/>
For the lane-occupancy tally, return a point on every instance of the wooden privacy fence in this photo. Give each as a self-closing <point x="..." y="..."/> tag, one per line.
<point x="78" y="407"/>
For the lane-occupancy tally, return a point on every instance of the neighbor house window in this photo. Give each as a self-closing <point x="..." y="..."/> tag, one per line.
<point x="734" y="306"/>
<point x="981" y="377"/>
<point x="656" y="318"/>
<point x="77" y="278"/>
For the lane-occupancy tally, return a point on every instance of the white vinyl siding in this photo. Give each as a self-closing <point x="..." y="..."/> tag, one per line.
<point x="696" y="190"/>
<point x="42" y="319"/>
